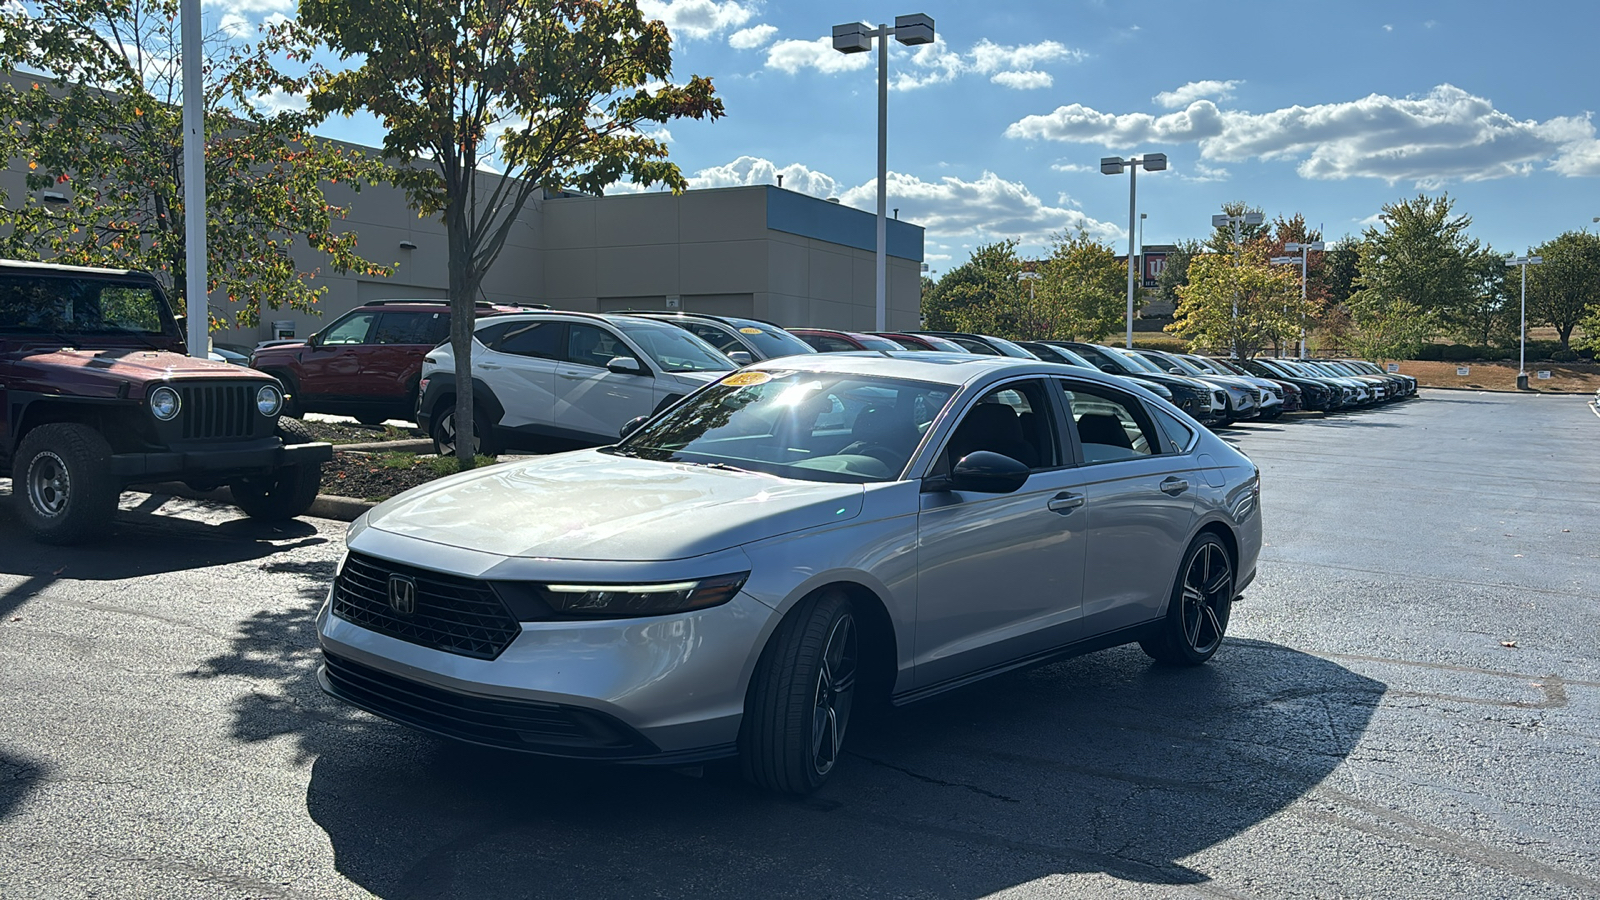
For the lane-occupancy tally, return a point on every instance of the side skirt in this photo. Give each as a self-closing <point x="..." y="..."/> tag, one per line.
<point x="1077" y="648"/>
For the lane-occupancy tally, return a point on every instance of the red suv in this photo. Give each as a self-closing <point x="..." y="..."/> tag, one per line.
<point x="366" y="362"/>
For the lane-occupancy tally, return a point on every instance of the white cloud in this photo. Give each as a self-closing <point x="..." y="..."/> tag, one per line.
<point x="1388" y="28"/>
<point x="1444" y="135"/>
<point x="243" y="7"/>
<point x="989" y="208"/>
<point x="1203" y="173"/>
<point x="930" y="64"/>
<point x="1023" y="81"/>
<point x="988" y="56"/>
<point x="1196" y="90"/>
<point x="1076" y="122"/>
<point x="276" y="101"/>
<point x="1072" y="167"/>
<point x="755" y="170"/>
<point x="791" y="56"/>
<point x="696" y="19"/>
<point x="235" y="26"/>
<point x="752" y="37"/>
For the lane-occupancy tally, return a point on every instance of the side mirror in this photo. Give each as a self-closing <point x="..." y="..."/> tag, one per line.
<point x="740" y="357"/>
<point x="1109" y="369"/>
<point x="1175" y="371"/>
<point x="985" y="472"/>
<point x="626" y="365"/>
<point x="314" y="339"/>
<point x="632" y="425"/>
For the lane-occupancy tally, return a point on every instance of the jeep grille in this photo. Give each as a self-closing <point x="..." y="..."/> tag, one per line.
<point x="218" y="410"/>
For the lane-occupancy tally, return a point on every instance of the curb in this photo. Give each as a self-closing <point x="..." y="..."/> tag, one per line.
<point x="406" y="446"/>
<point x="326" y="506"/>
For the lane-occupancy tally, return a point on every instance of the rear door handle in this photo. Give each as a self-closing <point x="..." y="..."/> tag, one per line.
<point x="1174" y="486"/>
<point x="1064" y="502"/>
<point x="575" y="376"/>
<point x="490" y="366"/>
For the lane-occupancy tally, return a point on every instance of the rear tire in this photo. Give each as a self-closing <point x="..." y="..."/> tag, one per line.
<point x="285" y="493"/>
<point x="444" y="430"/>
<point x="1197" y="613"/>
<point x="798" y="707"/>
<point x="62" y="483"/>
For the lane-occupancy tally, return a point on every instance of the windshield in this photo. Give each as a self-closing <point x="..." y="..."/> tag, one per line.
<point x="809" y="426"/>
<point x="1204" y="365"/>
<point x="1057" y="354"/>
<point x="1180" y="364"/>
<point x="770" y="340"/>
<point x="1007" y="348"/>
<point x="1227" y="367"/>
<point x="81" y="306"/>
<point x="1134" y="361"/>
<point x="672" y="348"/>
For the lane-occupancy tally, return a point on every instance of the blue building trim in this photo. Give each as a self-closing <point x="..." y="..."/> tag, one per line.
<point x="807" y="216"/>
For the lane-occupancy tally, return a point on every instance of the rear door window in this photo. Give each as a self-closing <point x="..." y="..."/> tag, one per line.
<point x="412" y="328"/>
<point x="1110" y="426"/>
<point x="538" y="340"/>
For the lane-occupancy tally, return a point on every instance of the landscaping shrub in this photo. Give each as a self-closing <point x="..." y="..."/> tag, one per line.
<point x="1169" y="344"/>
<point x="1564" y="356"/>
<point x="1463" y="352"/>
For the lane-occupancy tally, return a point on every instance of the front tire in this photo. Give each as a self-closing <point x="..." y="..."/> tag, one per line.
<point x="800" y="699"/>
<point x="1197" y="613"/>
<point x="62" y="480"/>
<point x="286" y="492"/>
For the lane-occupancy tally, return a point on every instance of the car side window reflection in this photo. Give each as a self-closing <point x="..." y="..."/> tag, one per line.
<point x="352" y="330"/>
<point x="1013" y="421"/>
<point x="1110" y="426"/>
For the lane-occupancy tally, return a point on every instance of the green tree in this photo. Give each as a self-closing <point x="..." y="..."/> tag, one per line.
<point x="1492" y="313"/>
<point x="1081" y="293"/>
<point x="1383" y="330"/>
<point x="982" y="294"/>
<point x="1175" y="270"/>
<point x="1341" y="266"/>
<point x="1565" y="290"/>
<point x="485" y="104"/>
<point x="1267" y="299"/>
<point x="1418" y="253"/>
<point x="106" y="130"/>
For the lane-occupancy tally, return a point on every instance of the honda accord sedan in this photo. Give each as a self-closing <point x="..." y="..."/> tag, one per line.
<point x="747" y="569"/>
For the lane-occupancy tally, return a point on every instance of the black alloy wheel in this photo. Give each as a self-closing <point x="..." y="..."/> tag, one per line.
<point x="1197" y="615"/>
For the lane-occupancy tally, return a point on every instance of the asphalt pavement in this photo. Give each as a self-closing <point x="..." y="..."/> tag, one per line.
<point x="1408" y="706"/>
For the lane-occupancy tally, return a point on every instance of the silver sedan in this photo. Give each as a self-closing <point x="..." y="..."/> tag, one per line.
<point x="745" y="569"/>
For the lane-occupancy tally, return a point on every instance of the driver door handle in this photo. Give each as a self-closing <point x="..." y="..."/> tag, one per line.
<point x="490" y="366"/>
<point x="1065" y="502"/>
<point x="1174" y="486"/>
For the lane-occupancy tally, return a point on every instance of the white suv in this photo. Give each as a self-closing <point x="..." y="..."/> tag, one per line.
<point x="575" y="378"/>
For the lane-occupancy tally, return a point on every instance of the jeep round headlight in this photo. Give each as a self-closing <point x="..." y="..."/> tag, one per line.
<point x="164" y="404"/>
<point x="269" y="400"/>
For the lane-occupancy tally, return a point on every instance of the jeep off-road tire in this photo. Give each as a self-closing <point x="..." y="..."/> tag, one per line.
<point x="800" y="698"/>
<point x="287" y="492"/>
<point x="62" y="483"/>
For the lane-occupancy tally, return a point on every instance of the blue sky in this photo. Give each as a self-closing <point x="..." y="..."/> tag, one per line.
<point x="995" y="130"/>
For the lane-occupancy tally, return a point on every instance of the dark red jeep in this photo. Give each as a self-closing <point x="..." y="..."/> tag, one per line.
<point x="96" y="394"/>
<point x="366" y="362"/>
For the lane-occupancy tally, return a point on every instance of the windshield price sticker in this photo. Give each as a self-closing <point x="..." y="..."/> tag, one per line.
<point x="748" y="330"/>
<point x="747" y="379"/>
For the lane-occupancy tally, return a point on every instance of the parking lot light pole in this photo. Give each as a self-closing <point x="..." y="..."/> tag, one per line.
<point x="855" y="37"/>
<point x="1522" y="332"/>
<point x="1113" y="165"/>
<point x="1305" y="252"/>
<point x="1236" y="225"/>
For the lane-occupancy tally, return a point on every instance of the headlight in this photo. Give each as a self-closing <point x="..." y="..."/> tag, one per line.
<point x="622" y="600"/>
<point x="269" y="400"/>
<point x="164" y="403"/>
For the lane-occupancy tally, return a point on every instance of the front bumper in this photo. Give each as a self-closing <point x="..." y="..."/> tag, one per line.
<point x="256" y="457"/>
<point x="663" y="690"/>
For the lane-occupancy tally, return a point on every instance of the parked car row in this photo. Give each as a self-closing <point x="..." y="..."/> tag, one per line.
<point x="546" y="378"/>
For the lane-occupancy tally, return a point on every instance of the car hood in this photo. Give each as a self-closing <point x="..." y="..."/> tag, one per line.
<point x="591" y="505"/>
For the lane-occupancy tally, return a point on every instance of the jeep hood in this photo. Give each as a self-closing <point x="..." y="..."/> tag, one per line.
<point x="591" y="505"/>
<point x="136" y="365"/>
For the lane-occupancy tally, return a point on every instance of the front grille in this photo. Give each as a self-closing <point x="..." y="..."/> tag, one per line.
<point x="456" y="615"/>
<point x="496" y="721"/>
<point x="217" y="410"/>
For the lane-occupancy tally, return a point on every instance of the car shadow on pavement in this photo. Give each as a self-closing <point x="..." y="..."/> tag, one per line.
<point x="18" y="777"/>
<point x="148" y="539"/>
<point x="1101" y="764"/>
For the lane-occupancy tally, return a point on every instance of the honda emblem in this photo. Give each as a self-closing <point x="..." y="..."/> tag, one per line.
<point x="403" y="594"/>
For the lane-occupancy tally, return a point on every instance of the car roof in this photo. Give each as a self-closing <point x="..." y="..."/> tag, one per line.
<point x="939" y="367"/>
<point x="685" y="314"/>
<point x="42" y="267"/>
